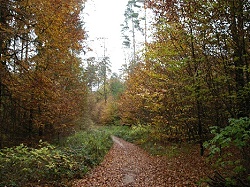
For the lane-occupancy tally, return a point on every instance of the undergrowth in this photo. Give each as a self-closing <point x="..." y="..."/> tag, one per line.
<point x="231" y="151"/>
<point x="147" y="137"/>
<point x="57" y="165"/>
<point x="22" y="166"/>
<point x="53" y="165"/>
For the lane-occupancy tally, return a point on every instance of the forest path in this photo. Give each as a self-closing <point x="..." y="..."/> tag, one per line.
<point x="128" y="165"/>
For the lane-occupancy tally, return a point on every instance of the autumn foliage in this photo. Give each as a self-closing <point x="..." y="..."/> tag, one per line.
<point x="41" y="84"/>
<point x="195" y="72"/>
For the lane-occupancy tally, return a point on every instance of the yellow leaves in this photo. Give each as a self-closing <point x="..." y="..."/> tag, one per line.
<point x="56" y="24"/>
<point x="41" y="72"/>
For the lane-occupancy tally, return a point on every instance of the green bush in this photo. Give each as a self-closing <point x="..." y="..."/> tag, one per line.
<point x="146" y="137"/>
<point x="23" y="165"/>
<point x="123" y="132"/>
<point x="237" y="135"/>
<point x="92" y="144"/>
<point x="137" y="134"/>
<point x="57" y="165"/>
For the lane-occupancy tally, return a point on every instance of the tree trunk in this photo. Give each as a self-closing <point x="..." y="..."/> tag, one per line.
<point x="2" y="66"/>
<point x="197" y="92"/>
<point x="238" y="37"/>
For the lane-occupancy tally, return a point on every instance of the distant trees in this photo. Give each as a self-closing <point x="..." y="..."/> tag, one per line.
<point x="196" y="71"/>
<point x="110" y="114"/>
<point x="41" y="84"/>
<point x="103" y="103"/>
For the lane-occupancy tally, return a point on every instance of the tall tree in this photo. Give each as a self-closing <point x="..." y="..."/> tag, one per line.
<point x="195" y="71"/>
<point x="132" y="23"/>
<point x="104" y="71"/>
<point x="40" y="69"/>
<point x="91" y="73"/>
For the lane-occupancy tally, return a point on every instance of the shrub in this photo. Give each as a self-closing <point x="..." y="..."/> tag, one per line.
<point x="92" y="145"/>
<point x="236" y="134"/>
<point x="22" y="165"/>
<point x="56" y="165"/>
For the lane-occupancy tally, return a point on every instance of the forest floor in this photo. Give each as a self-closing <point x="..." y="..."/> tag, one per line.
<point x="128" y="165"/>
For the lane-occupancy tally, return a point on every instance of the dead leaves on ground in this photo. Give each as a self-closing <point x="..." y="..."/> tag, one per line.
<point x="129" y="165"/>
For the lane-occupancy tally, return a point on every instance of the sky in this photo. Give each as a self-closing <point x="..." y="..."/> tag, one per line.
<point x="102" y="22"/>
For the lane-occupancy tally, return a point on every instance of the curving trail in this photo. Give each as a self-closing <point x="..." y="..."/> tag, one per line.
<point x="128" y="165"/>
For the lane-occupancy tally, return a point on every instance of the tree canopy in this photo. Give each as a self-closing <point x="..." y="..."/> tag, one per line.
<point x="41" y="85"/>
<point x="195" y="73"/>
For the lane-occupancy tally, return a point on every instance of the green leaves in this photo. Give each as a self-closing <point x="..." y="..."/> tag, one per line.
<point x="236" y="134"/>
<point x="91" y="145"/>
<point x="22" y="165"/>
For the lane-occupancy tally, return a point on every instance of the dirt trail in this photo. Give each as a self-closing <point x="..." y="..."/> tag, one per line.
<point x="128" y="165"/>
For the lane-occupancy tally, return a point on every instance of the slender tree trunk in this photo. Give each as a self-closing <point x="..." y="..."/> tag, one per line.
<point x="30" y="123"/>
<point x="145" y="14"/>
<point x="200" y="128"/>
<point x="104" y="84"/>
<point x="2" y="67"/>
<point x="133" y="35"/>
<point x="237" y="30"/>
<point x="197" y="93"/>
<point x="1" y="109"/>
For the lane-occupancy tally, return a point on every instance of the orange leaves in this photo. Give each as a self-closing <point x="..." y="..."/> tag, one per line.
<point x="39" y="64"/>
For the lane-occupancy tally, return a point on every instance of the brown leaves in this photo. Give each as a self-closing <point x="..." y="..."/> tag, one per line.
<point x="128" y="165"/>
<point x="39" y="67"/>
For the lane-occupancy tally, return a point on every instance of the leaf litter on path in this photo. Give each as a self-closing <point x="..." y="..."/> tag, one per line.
<point x="127" y="165"/>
